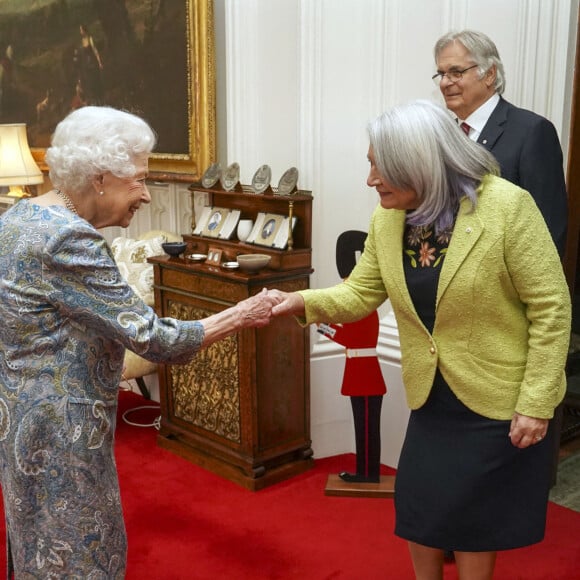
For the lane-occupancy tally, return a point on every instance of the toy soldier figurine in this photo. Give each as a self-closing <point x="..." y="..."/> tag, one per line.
<point x="363" y="380"/>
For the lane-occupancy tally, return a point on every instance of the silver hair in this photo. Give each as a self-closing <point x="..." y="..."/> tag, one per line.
<point x="92" y="141"/>
<point x="482" y="50"/>
<point x="419" y="147"/>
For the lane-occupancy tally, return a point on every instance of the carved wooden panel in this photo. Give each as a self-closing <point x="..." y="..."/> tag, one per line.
<point x="206" y="391"/>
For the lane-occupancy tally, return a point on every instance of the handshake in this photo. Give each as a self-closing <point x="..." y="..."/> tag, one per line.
<point x="253" y="312"/>
<point x="259" y="309"/>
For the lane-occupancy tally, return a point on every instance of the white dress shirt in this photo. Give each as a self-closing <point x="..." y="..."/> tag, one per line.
<point x="478" y="119"/>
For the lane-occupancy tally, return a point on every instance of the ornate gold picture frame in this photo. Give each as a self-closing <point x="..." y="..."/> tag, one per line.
<point x="155" y="59"/>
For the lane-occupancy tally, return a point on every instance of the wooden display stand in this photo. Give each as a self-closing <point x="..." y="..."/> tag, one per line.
<point x="298" y="254"/>
<point x="241" y="407"/>
<point x="384" y="489"/>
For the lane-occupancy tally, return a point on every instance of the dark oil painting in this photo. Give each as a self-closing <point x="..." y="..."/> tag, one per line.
<point x="58" y="55"/>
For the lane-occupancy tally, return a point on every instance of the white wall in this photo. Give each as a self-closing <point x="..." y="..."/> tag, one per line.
<point x="298" y="81"/>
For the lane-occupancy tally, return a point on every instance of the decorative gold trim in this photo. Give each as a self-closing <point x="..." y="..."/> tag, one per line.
<point x="201" y="99"/>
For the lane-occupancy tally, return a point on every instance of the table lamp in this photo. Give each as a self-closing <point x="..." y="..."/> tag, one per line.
<point x="17" y="166"/>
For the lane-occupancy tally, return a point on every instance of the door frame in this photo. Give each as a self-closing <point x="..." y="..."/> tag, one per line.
<point x="573" y="176"/>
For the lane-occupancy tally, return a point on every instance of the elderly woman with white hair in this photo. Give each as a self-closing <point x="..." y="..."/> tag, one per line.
<point x="483" y="313"/>
<point x="67" y="318"/>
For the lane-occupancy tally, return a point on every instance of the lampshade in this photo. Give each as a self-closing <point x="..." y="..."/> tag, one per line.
<point x="17" y="166"/>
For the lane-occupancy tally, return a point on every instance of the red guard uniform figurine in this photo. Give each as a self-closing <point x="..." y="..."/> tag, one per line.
<point x="363" y="379"/>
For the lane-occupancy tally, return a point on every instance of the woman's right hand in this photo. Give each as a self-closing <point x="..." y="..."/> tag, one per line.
<point x="252" y="312"/>
<point x="287" y="303"/>
<point x="255" y="311"/>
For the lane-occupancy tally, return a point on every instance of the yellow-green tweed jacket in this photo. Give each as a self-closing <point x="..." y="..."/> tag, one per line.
<point x="502" y="323"/>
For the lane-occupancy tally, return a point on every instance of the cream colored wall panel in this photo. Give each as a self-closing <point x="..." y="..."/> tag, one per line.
<point x="181" y="216"/>
<point x="242" y="83"/>
<point x="279" y="70"/>
<point x="163" y="207"/>
<point x="169" y="210"/>
<point x="262" y="85"/>
<point x="349" y="93"/>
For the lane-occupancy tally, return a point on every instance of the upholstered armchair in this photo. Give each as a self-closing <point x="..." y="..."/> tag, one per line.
<point x="131" y="258"/>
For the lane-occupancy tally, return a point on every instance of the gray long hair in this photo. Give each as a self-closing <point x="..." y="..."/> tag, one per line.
<point x="419" y="147"/>
<point x="95" y="140"/>
<point x="482" y="49"/>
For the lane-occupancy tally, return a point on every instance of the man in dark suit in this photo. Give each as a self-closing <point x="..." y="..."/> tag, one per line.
<point x="470" y="75"/>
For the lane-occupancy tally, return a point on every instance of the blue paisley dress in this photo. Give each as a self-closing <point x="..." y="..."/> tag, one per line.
<point x="66" y="318"/>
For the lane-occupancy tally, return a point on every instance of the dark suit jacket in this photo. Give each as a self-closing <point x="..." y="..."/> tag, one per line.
<point x="527" y="148"/>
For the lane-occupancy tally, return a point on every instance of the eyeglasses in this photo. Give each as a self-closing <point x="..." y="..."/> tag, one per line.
<point x="453" y="75"/>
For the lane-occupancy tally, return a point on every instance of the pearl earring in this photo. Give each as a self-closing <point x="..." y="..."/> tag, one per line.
<point x="101" y="193"/>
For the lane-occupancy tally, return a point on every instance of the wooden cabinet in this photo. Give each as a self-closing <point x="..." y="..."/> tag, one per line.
<point x="241" y="407"/>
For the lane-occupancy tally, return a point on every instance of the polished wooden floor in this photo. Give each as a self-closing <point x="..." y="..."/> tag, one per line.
<point x="570" y="447"/>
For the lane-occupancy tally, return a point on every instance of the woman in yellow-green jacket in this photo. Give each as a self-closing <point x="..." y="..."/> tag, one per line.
<point x="483" y="313"/>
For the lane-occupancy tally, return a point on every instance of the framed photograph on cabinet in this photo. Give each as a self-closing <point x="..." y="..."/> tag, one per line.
<point x="215" y="220"/>
<point x="155" y="60"/>
<point x="214" y="256"/>
<point x="281" y="239"/>
<point x="265" y="229"/>
<point x="203" y="220"/>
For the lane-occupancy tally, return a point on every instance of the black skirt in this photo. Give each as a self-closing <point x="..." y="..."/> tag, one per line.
<point x="461" y="485"/>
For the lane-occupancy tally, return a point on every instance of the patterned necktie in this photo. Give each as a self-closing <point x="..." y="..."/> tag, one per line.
<point x="465" y="128"/>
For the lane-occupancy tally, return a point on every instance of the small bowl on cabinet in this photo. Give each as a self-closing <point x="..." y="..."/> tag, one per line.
<point x="252" y="263"/>
<point x="174" y="248"/>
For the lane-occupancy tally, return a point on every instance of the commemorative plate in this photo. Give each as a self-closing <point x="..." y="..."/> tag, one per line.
<point x="231" y="176"/>
<point x="211" y="175"/>
<point x="288" y="181"/>
<point x="261" y="179"/>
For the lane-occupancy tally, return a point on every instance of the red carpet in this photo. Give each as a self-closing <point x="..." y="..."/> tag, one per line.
<point x="186" y="523"/>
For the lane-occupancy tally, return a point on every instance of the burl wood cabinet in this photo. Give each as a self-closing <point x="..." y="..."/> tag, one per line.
<point x="241" y="407"/>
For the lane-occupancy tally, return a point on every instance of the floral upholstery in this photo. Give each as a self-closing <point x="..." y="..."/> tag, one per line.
<point x="131" y="258"/>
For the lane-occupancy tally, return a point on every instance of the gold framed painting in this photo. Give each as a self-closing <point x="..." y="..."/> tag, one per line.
<point x="155" y="59"/>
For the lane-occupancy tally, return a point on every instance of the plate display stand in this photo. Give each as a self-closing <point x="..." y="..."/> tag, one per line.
<point x="295" y="209"/>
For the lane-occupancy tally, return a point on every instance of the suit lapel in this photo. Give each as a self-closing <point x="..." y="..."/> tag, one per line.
<point x="394" y="224"/>
<point x="394" y="252"/>
<point x="468" y="229"/>
<point x="495" y="125"/>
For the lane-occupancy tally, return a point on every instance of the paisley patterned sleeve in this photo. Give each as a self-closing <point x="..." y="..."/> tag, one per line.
<point x="86" y="286"/>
